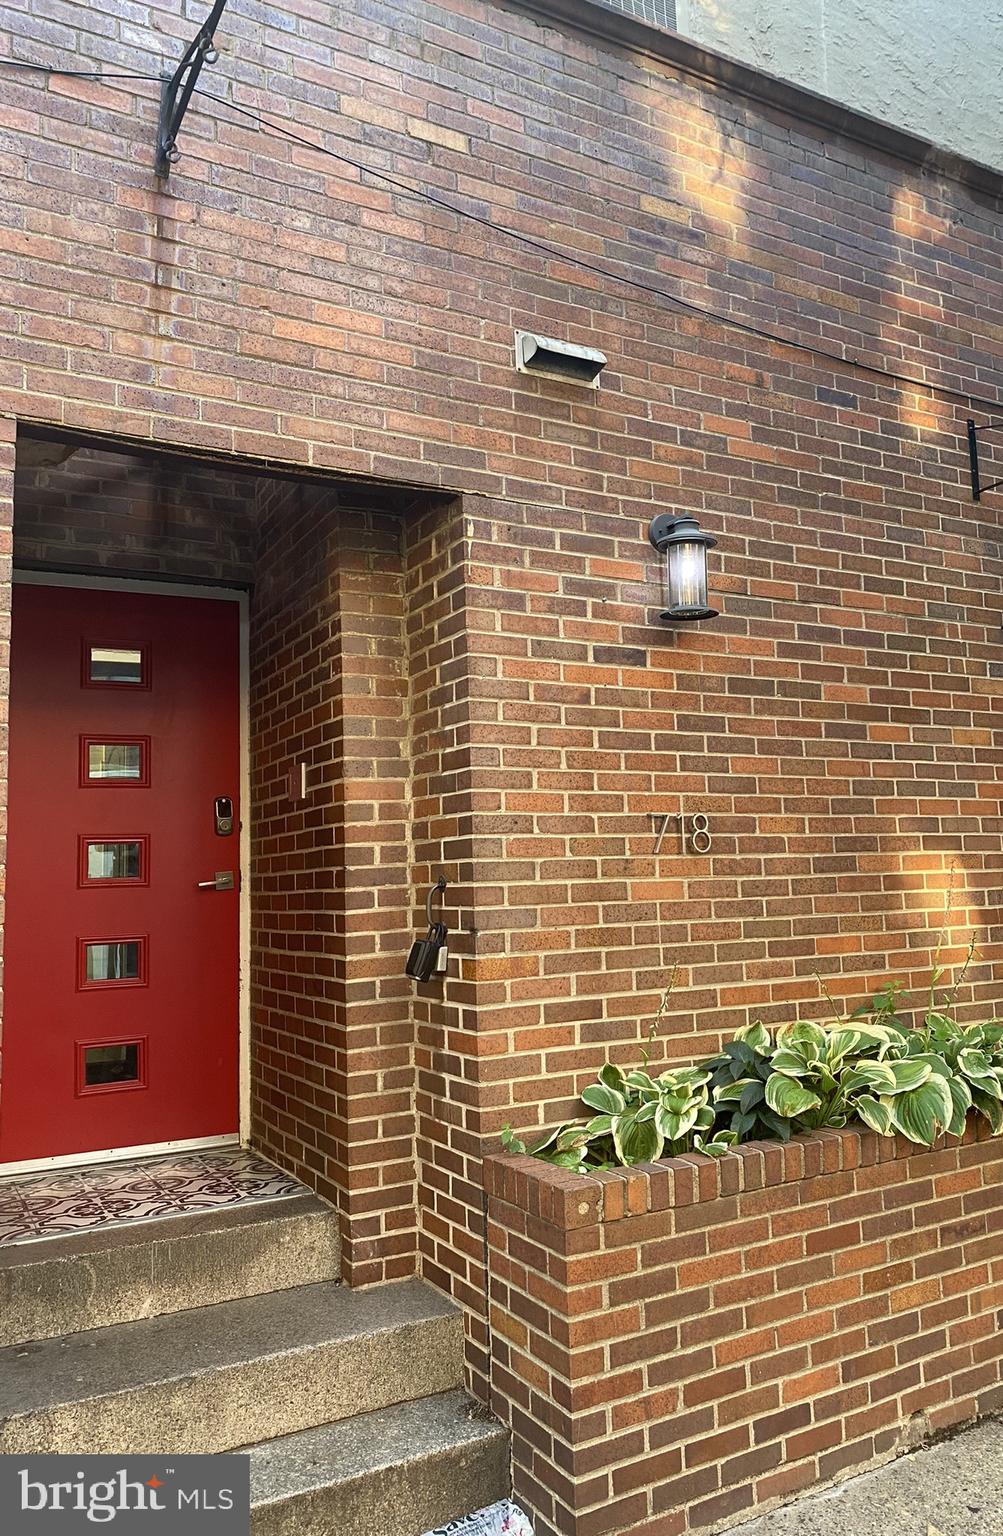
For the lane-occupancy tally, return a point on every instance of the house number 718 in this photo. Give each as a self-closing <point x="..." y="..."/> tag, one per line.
<point x="694" y="833"/>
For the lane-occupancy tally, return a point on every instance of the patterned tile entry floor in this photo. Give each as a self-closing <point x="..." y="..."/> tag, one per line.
<point x="57" y="1201"/>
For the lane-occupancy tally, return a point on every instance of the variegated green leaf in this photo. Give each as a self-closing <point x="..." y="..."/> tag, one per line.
<point x="608" y="1101"/>
<point x="673" y="1126"/>
<point x="989" y="1108"/>
<point x="808" y="1039"/>
<point x="733" y="1091"/>
<point x="961" y="1097"/>
<point x="788" y="1098"/>
<point x="546" y="1140"/>
<point x="669" y="1125"/>
<point x="840" y="1044"/>
<point x="757" y="1036"/>
<point x="974" y="1063"/>
<point x="871" y="1076"/>
<point x="936" y="1063"/>
<point x="788" y="1062"/>
<point x="571" y="1138"/>
<point x="636" y="1141"/>
<point x="877" y="1113"/>
<point x="885" y="1035"/>
<point x="909" y="1075"/>
<point x="924" y="1112"/>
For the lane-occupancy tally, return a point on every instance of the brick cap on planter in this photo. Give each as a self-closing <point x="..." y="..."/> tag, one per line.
<point x="567" y="1199"/>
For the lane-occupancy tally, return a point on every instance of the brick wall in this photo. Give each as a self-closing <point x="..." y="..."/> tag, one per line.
<point x="117" y="513"/>
<point x="837" y="723"/>
<point x="689" y="1341"/>
<point x="845" y="768"/>
<point x="450" y="734"/>
<point x="332" y="1053"/>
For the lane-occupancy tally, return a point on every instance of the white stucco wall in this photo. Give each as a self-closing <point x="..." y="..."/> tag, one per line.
<point x="932" y="66"/>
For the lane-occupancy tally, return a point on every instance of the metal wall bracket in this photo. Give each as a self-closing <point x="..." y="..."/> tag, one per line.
<point x="177" y="89"/>
<point x="436" y="890"/>
<point x="973" y="457"/>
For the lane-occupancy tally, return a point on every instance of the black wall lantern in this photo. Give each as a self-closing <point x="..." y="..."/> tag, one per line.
<point x="683" y="543"/>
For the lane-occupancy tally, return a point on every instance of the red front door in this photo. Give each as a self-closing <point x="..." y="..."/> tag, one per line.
<point x="120" y="1023"/>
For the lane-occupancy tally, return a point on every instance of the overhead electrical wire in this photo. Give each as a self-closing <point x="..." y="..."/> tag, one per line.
<point x="79" y="74"/>
<point x="555" y="253"/>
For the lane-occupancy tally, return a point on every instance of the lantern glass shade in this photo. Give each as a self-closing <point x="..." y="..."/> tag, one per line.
<point x="686" y="576"/>
<point x="683" y="544"/>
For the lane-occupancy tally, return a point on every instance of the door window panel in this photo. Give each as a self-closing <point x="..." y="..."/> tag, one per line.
<point x="112" y="962"/>
<point x="115" y="760"/>
<point x="110" y="1064"/>
<point x="103" y="862"/>
<point x="117" y="666"/>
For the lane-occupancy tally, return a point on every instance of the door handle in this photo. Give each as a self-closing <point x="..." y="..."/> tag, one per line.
<point x="222" y="880"/>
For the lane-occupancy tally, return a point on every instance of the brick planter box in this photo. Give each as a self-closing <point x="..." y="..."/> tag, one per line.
<point x="679" y="1344"/>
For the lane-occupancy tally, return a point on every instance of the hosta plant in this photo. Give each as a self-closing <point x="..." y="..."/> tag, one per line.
<point x="968" y="1056"/>
<point x="637" y="1118"/>
<point x="974" y="1057"/>
<point x="919" y="1080"/>
<point x="811" y="1075"/>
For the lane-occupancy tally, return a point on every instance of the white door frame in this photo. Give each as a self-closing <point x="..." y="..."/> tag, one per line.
<point x="42" y="578"/>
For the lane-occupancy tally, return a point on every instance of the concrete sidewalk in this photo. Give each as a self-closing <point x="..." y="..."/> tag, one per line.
<point x="951" y="1489"/>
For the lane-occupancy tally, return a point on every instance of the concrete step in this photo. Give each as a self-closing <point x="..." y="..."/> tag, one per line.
<point x="229" y="1375"/>
<point x="397" y="1472"/>
<point x="117" y="1274"/>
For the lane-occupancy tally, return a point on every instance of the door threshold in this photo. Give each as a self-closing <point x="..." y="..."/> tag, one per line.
<point x="119" y="1154"/>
